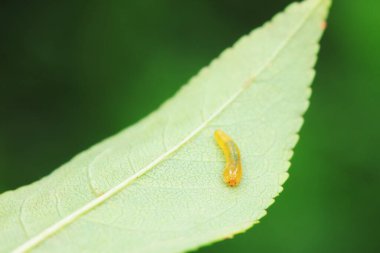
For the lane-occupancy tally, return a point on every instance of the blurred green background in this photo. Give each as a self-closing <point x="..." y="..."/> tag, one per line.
<point x="75" y="72"/>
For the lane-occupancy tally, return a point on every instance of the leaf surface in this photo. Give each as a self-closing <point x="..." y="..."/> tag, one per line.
<point x="157" y="186"/>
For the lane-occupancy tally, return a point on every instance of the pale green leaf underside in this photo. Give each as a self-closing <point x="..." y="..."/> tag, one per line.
<point x="157" y="186"/>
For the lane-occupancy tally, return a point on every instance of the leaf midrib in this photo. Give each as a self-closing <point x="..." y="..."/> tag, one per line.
<point x="56" y="227"/>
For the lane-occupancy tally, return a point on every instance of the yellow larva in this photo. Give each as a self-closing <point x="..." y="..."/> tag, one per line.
<point x="233" y="170"/>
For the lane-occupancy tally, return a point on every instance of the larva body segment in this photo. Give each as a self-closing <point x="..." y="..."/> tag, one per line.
<point x="233" y="170"/>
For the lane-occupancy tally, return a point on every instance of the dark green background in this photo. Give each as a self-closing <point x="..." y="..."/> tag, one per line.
<point x="75" y="72"/>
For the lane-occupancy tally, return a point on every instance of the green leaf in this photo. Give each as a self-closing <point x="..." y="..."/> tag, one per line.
<point x="157" y="186"/>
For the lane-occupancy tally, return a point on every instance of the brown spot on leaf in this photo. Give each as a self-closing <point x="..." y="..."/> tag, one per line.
<point x="324" y="25"/>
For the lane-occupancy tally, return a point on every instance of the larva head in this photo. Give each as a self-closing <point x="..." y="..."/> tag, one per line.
<point x="232" y="182"/>
<point x="231" y="176"/>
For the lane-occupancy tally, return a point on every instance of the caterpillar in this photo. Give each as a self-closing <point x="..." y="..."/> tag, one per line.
<point x="233" y="170"/>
